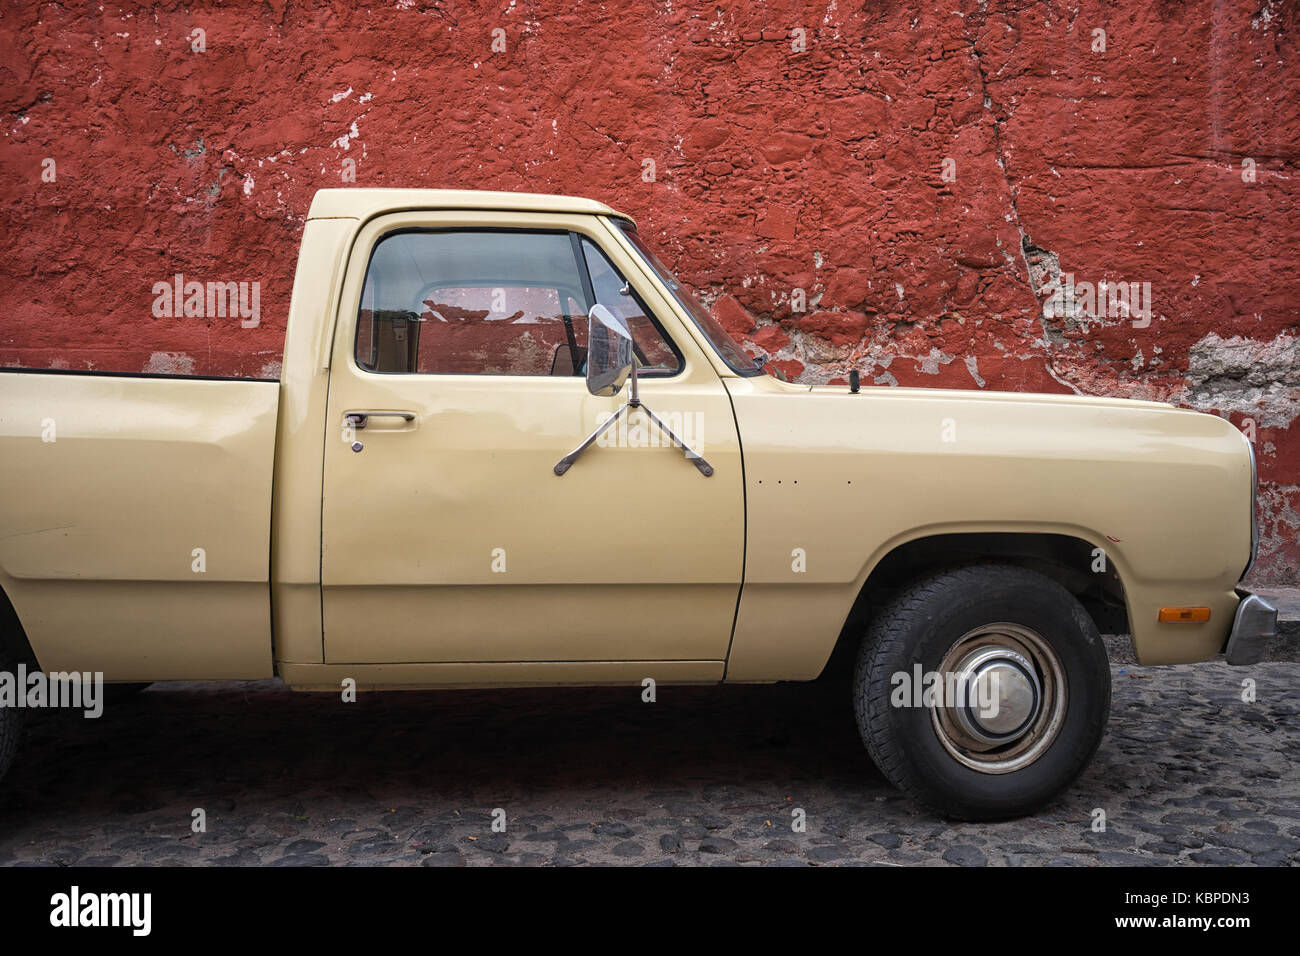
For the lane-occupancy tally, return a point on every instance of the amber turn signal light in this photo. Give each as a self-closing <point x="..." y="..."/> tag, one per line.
<point x="1184" y="615"/>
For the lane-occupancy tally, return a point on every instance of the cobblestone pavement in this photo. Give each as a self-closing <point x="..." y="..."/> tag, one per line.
<point x="1188" y="774"/>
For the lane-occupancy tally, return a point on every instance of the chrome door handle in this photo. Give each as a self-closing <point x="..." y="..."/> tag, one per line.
<point x="359" y="419"/>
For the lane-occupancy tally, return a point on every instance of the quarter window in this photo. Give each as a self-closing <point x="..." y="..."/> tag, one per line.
<point x="654" y="353"/>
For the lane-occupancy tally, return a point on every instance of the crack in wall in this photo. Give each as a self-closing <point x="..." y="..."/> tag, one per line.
<point x="1042" y="267"/>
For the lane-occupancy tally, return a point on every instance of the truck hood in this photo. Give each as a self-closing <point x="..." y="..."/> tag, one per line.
<point x="1170" y="490"/>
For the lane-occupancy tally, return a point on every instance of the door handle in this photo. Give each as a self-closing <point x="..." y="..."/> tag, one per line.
<point x="359" y="419"/>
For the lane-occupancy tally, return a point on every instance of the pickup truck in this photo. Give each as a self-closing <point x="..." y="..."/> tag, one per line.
<point x="508" y="448"/>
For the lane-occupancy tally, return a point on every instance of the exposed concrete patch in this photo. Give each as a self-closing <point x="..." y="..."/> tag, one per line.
<point x="1278" y="525"/>
<point x="1247" y="376"/>
<point x="929" y="364"/>
<point x="1044" y="268"/>
<point x="812" y="350"/>
<point x="170" y="363"/>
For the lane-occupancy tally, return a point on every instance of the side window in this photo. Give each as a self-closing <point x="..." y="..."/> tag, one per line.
<point x="472" y="302"/>
<point x="492" y="303"/>
<point x="654" y="352"/>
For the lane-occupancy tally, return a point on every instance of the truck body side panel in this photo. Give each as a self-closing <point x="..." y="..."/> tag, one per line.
<point x="135" y="524"/>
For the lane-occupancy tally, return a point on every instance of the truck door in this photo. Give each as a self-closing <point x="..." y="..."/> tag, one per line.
<point x="456" y="386"/>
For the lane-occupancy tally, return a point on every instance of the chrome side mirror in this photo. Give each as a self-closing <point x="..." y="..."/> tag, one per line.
<point x="609" y="352"/>
<point x="610" y="360"/>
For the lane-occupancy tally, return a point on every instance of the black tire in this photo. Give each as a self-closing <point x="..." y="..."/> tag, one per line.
<point x="919" y="748"/>
<point x="115" y="694"/>
<point x="11" y="726"/>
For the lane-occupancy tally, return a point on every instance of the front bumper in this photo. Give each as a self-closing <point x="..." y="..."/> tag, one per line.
<point x="1253" y="628"/>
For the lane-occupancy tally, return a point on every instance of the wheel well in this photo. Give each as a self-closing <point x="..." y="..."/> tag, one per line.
<point x="1065" y="559"/>
<point x="14" y="646"/>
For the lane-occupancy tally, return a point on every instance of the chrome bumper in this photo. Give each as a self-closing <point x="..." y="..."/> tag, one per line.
<point x="1253" y="629"/>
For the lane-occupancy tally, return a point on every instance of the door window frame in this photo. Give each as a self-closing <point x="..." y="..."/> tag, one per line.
<point x="586" y="288"/>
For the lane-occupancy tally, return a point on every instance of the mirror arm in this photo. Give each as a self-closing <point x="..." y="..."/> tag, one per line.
<point x="691" y="455"/>
<point x="565" y="463"/>
<point x="634" y="401"/>
<point x="694" y="457"/>
<point x="602" y="315"/>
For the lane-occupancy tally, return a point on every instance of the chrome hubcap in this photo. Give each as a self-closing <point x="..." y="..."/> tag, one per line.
<point x="1000" y="694"/>
<point x="1009" y="700"/>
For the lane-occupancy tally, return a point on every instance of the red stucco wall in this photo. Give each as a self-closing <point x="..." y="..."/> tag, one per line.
<point x="795" y="147"/>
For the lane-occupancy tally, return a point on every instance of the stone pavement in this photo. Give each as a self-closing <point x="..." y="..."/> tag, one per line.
<point x="1287" y="601"/>
<point x="1189" y="773"/>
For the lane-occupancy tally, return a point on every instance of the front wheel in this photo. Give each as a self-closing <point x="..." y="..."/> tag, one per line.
<point x="982" y="692"/>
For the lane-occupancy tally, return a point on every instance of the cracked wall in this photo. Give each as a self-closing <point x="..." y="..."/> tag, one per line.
<point x="900" y="188"/>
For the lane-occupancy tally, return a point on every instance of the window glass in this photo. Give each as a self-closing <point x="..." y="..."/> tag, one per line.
<point x="472" y="302"/>
<point x="492" y="303"/>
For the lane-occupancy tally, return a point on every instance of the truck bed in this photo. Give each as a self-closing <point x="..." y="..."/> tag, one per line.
<point x="135" y="522"/>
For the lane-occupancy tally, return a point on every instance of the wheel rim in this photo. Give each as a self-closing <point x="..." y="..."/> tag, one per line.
<point x="1010" y="698"/>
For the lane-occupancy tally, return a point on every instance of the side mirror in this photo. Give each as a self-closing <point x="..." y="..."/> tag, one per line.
<point x="609" y="352"/>
<point x="610" y="360"/>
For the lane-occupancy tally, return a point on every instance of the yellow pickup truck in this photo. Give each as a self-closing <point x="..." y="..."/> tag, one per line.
<point x="508" y="448"/>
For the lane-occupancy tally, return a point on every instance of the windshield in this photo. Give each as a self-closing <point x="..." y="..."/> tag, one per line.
<point x="723" y="344"/>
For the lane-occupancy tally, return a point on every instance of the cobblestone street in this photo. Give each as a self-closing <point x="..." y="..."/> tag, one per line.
<point x="1187" y="774"/>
